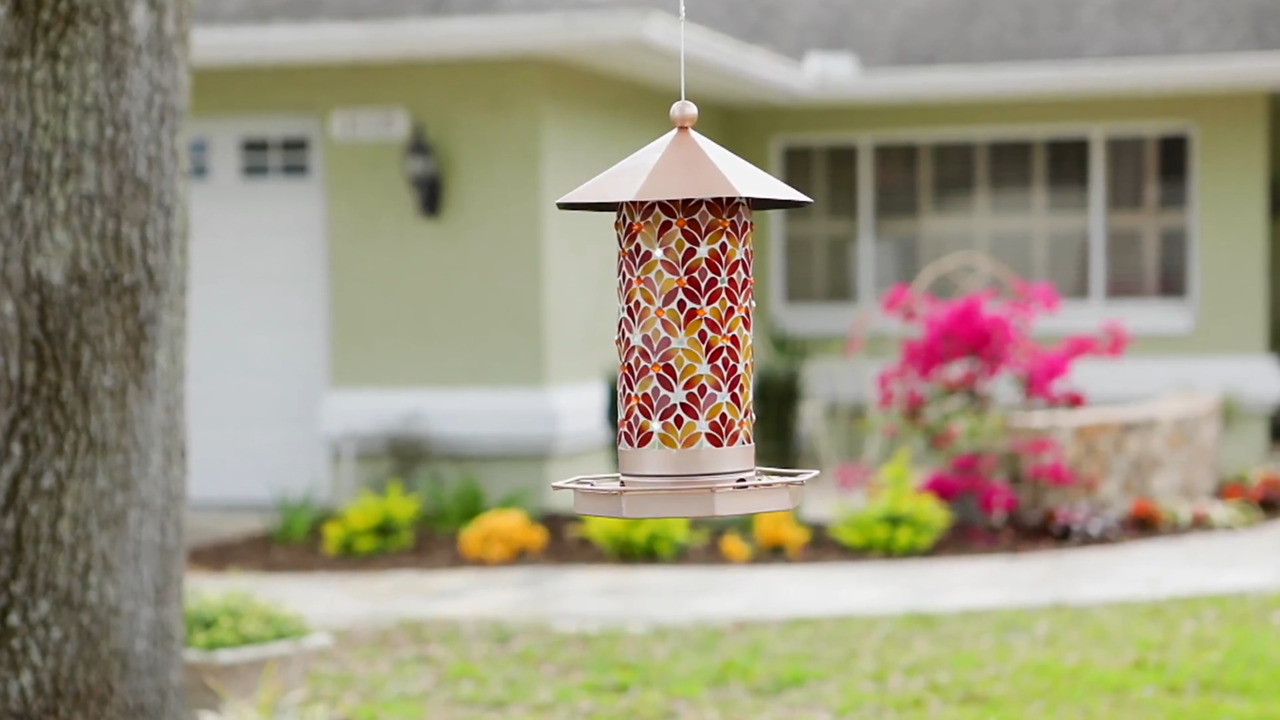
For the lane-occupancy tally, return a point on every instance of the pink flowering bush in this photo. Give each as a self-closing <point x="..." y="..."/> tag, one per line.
<point x="964" y="355"/>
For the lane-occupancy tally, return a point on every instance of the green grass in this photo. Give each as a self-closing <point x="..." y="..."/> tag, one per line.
<point x="1211" y="659"/>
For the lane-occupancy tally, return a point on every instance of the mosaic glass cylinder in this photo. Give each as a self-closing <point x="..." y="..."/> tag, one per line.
<point x="685" y="294"/>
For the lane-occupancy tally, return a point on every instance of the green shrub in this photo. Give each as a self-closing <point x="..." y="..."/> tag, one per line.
<point x="296" y="521"/>
<point x="451" y="506"/>
<point x="237" y="619"/>
<point x="777" y="400"/>
<point x="656" y="539"/>
<point x="899" y="519"/>
<point x="374" y="523"/>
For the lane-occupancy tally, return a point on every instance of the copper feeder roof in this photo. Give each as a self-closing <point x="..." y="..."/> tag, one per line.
<point x="682" y="165"/>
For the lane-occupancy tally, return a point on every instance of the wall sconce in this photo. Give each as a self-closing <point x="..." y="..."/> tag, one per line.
<point x="423" y="172"/>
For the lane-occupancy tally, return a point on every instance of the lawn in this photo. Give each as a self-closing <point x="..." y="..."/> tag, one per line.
<point x="1209" y="659"/>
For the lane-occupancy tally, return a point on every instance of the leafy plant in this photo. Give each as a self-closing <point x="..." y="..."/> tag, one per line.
<point x="776" y="394"/>
<point x="450" y="506"/>
<point x="650" y="539"/>
<point x="501" y="535"/>
<point x="236" y="620"/>
<point x="780" y="532"/>
<point x="374" y="523"/>
<point x="297" y="521"/>
<point x="898" y="519"/>
<point x="1213" y="513"/>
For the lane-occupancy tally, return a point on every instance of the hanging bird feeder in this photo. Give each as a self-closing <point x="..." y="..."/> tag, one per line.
<point x="684" y="224"/>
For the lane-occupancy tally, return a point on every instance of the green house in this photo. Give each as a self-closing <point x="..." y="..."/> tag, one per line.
<point x="1120" y="148"/>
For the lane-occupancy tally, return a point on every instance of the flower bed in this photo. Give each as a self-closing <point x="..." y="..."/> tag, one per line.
<point x="565" y="545"/>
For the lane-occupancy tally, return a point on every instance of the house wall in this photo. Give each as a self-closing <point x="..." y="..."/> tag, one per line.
<point x="419" y="301"/>
<point x="496" y="319"/>
<point x="1233" y="226"/>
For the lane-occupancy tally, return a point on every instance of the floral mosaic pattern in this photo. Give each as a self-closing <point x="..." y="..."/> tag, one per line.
<point x="684" y="324"/>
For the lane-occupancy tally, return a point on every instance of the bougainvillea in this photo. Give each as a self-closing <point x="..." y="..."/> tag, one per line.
<point x="965" y="362"/>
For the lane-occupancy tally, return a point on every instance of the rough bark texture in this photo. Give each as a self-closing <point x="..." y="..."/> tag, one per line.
<point x="92" y="280"/>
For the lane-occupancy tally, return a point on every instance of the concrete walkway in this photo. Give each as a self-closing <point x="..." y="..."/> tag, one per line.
<point x="586" y="597"/>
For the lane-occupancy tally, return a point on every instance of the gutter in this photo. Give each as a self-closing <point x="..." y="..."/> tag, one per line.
<point x="643" y="45"/>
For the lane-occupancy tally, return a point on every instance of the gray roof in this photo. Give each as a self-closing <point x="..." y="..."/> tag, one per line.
<point x="881" y="32"/>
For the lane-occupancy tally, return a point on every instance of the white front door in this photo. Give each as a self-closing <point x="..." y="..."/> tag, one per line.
<point x="257" y="312"/>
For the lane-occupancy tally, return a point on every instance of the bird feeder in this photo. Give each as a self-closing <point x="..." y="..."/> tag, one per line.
<point x="684" y="221"/>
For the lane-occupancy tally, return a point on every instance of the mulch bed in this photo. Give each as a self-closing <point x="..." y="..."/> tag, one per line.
<point x="438" y="551"/>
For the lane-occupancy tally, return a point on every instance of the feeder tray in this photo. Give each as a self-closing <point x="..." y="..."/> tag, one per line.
<point x="608" y="495"/>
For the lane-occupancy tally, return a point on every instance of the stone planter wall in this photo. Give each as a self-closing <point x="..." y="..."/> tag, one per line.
<point x="236" y="674"/>
<point x="1165" y="449"/>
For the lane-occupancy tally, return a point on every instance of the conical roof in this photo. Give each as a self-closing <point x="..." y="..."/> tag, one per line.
<point x="682" y="165"/>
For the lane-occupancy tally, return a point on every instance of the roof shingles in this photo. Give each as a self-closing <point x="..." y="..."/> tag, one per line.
<point x="883" y="33"/>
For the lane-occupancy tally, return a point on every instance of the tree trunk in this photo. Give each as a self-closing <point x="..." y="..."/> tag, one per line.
<point x="92" y="282"/>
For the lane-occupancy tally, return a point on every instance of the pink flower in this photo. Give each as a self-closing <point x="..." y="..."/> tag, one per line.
<point x="965" y="382"/>
<point x="852" y="475"/>
<point x="1115" y="339"/>
<point x="945" y="438"/>
<point x="885" y="384"/>
<point x="1043" y="370"/>
<point x="1052" y="473"/>
<point x="1079" y="346"/>
<point x="900" y="301"/>
<point x="915" y="403"/>
<point x="1073" y="399"/>
<point x="946" y="487"/>
<point x="973" y="464"/>
<point x="1038" y="446"/>
<point x="1038" y="295"/>
<point x="997" y="498"/>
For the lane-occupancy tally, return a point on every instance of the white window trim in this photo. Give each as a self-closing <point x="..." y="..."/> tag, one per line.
<point x="1145" y="317"/>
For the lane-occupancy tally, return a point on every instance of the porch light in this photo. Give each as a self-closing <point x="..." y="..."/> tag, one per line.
<point x="423" y="172"/>
<point x="683" y="208"/>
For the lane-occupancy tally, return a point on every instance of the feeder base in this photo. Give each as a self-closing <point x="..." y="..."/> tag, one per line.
<point x="771" y="490"/>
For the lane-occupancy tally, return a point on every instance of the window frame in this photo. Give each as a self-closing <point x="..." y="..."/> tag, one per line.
<point x="1143" y="316"/>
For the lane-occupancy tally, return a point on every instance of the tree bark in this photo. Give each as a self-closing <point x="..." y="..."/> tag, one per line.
<point x="92" y="284"/>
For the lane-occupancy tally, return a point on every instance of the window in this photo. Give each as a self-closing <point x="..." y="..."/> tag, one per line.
<point x="1146" y="217"/>
<point x="263" y="157"/>
<point x="822" y="238"/>
<point x="1103" y="215"/>
<point x="198" y="159"/>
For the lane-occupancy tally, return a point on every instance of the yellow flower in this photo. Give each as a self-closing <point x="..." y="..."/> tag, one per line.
<point x="796" y="540"/>
<point x="734" y="548"/>
<point x="500" y="536"/>
<point x="333" y="535"/>
<point x="780" y="531"/>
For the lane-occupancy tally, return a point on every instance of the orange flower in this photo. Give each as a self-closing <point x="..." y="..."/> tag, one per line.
<point x="1267" y="491"/>
<point x="1145" y="513"/>
<point x="1234" y="491"/>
